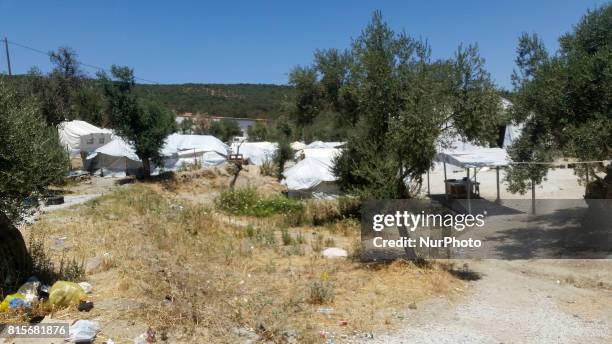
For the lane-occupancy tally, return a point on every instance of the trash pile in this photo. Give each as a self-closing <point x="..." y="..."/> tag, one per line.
<point x="61" y="294"/>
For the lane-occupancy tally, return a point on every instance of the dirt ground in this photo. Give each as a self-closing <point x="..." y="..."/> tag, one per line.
<point x="147" y="272"/>
<point x="541" y="301"/>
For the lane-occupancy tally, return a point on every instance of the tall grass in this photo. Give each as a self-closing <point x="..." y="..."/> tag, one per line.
<point x="247" y="201"/>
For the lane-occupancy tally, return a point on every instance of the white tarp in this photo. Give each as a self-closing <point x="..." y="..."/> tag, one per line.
<point x="117" y="157"/>
<point x="308" y="173"/>
<point x="255" y="152"/>
<point x="77" y="136"/>
<point x="321" y="144"/>
<point x="297" y="145"/>
<point x="476" y="157"/>
<point x="313" y="175"/>
<point x="512" y="133"/>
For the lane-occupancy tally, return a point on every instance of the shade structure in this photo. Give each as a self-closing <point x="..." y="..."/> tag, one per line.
<point x="81" y="136"/>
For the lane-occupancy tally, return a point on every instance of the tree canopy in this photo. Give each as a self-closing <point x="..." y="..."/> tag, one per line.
<point x="31" y="156"/>
<point x="564" y="99"/>
<point x="396" y="104"/>
<point x="144" y="124"/>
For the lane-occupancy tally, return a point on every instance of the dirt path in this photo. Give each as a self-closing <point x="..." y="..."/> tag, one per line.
<point x="513" y="302"/>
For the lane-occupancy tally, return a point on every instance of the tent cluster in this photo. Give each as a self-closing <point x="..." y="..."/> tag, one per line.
<point x="118" y="158"/>
<point x="310" y="176"/>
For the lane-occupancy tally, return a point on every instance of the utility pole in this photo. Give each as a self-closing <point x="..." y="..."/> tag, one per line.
<point x="8" y="57"/>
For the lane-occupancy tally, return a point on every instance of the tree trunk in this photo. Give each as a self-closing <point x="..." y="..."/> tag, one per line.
<point x="146" y="167"/>
<point x="15" y="262"/>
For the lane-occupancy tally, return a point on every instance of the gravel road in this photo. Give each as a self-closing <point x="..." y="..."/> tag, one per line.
<point x="510" y="303"/>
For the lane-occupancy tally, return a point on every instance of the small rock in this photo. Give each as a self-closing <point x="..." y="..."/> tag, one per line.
<point x="334" y="252"/>
<point x="93" y="264"/>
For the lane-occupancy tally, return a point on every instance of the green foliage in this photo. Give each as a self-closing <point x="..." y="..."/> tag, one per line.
<point x="268" y="168"/>
<point x="31" y="156"/>
<point x="565" y="99"/>
<point x="142" y="123"/>
<point x="321" y="292"/>
<point x="225" y="129"/>
<point x="246" y="201"/>
<point x="258" y="132"/>
<point x="234" y="100"/>
<point x="283" y="154"/>
<point x="402" y="103"/>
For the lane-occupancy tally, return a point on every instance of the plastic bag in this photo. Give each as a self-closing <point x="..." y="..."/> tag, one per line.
<point x="29" y="290"/>
<point x="86" y="287"/>
<point x="83" y="331"/>
<point x="12" y="301"/>
<point x="64" y="293"/>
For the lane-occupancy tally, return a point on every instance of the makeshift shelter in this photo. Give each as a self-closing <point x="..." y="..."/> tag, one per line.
<point x="313" y="176"/>
<point x="255" y="152"/>
<point x="80" y="136"/>
<point x="118" y="158"/>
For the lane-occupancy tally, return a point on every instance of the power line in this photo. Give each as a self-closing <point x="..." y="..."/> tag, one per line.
<point x="80" y="63"/>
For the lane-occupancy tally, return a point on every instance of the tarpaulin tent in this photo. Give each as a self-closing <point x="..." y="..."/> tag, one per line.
<point x="255" y="152"/>
<point x="118" y="158"/>
<point x="313" y="176"/>
<point x="297" y="145"/>
<point x="80" y="136"/>
<point x="321" y="144"/>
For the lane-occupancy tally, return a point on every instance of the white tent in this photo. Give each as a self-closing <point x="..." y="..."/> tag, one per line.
<point x="255" y="152"/>
<point x="297" y="145"/>
<point x="321" y="144"/>
<point x="313" y="176"/>
<point x="512" y="133"/>
<point x="80" y="136"/>
<point x="118" y="158"/>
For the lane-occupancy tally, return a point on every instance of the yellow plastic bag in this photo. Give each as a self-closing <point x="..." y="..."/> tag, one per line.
<point x="63" y="293"/>
<point x="4" y="306"/>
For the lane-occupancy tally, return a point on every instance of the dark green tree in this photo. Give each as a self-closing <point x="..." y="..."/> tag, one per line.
<point x="565" y="99"/>
<point x="31" y="158"/>
<point x="404" y="104"/>
<point x="143" y="124"/>
<point x="225" y="129"/>
<point x="283" y="154"/>
<point x="258" y="132"/>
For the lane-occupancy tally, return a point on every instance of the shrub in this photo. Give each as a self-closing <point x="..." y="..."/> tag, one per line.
<point x="321" y="292"/>
<point x="246" y="201"/>
<point x="268" y="168"/>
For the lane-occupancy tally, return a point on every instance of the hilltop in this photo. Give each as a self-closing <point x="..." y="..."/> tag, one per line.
<point x="234" y="100"/>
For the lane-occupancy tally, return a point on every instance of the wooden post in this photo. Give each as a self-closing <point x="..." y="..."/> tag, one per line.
<point x="8" y="57"/>
<point x="428" y="187"/>
<point x="586" y="166"/>
<point x="497" y="180"/>
<point x="444" y="170"/>
<point x="469" y="191"/>
<point x="533" y="205"/>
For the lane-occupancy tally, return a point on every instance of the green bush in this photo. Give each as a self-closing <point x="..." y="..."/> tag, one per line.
<point x="246" y="201"/>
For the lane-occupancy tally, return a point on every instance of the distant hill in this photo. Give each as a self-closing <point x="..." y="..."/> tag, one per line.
<point x="234" y="100"/>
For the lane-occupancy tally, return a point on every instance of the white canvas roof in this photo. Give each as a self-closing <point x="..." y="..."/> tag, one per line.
<point x="297" y="145"/>
<point x="255" y="152"/>
<point x="71" y="134"/>
<point x="476" y="157"/>
<point x="179" y="149"/>
<point x="309" y="173"/>
<point x="205" y="143"/>
<point x="321" y="144"/>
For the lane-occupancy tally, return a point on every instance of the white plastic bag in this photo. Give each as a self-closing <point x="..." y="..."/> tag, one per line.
<point x="83" y="331"/>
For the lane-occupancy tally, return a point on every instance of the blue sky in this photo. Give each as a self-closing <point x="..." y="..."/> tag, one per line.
<point x="260" y="41"/>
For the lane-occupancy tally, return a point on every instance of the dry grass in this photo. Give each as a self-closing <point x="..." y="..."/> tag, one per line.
<point x="175" y="264"/>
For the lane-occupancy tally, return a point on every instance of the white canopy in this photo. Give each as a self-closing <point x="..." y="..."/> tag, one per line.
<point x="207" y="143"/>
<point x="255" y="152"/>
<point x="79" y="136"/>
<point x="475" y="157"/>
